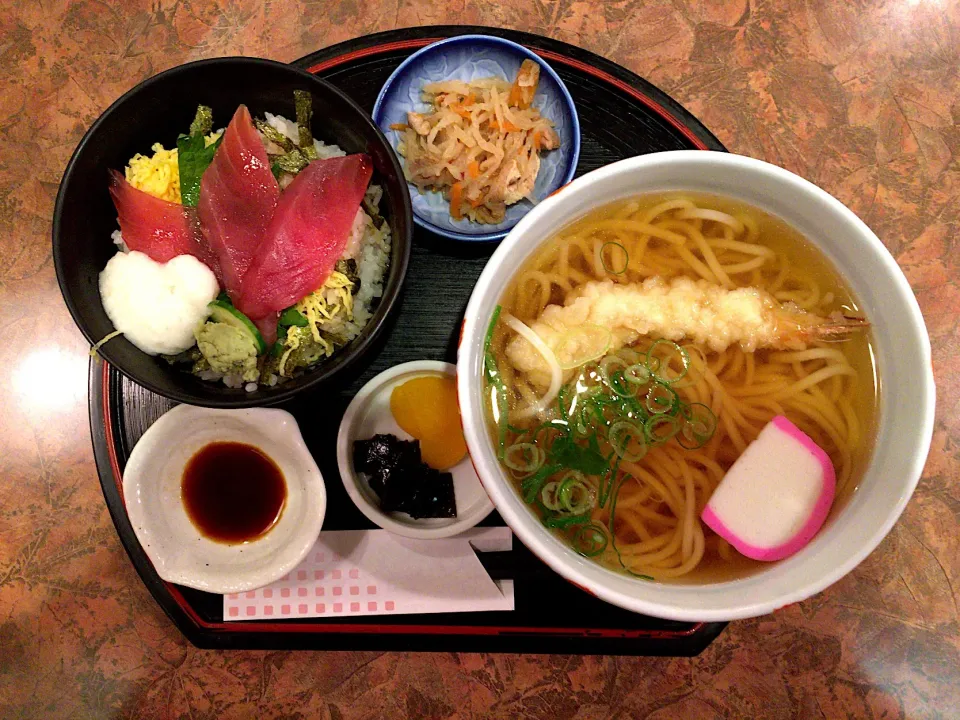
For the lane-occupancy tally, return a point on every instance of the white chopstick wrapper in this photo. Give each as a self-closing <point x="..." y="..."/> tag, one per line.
<point x="374" y="572"/>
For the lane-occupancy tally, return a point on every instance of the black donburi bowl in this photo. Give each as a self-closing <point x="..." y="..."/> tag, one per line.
<point x="157" y="110"/>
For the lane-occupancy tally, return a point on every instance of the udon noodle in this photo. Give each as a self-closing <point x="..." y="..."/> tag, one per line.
<point x="650" y="506"/>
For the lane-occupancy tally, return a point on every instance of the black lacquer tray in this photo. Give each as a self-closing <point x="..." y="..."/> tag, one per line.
<point x="621" y="116"/>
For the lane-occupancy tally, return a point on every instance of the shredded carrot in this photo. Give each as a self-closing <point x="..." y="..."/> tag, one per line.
<point x="507" y="126"/>
<point x="456" y="200"/>
<point x="462" y="112"/>
<point x="399" y="126"/>
<point x="469" y="100"/>
<point x="473" y="169"/>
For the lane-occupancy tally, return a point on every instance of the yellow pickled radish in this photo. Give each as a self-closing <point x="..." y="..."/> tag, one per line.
<point x="426" y="407"/>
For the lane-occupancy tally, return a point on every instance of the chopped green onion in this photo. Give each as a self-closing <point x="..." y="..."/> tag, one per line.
<point x="548" y="496"/>
<point x="660" y="428"/>
<point x="590" y="540"/>
<point x="499" y="389"/>
<point x="620" y="386"/>
<point x="532" y="485"/>
<point x="565" y="521"/>
<point x="657" y="364"/>
<point x="638" y="374"/>
<point x="609" y="365"/>
<point x="699" y="424"/>
<point x="661" y="399"/>
<point x="574" y="494"/>
<point x="612" y="267"/>
<point x="524" y="457"/>
<point x="628" y="440"/>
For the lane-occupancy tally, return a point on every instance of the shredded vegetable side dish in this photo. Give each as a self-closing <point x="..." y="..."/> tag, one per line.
<point x="479" y="144"/>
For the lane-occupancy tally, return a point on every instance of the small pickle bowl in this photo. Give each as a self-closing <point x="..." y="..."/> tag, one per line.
<point x="472" y="57"/>
<point x="368" y="415"/>
<point x="178" y="550"/>
<point x="901" y="347"/>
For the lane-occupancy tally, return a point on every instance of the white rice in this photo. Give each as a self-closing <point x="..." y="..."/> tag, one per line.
<point x="118" y="241"/>
<point x="292" y="132"/>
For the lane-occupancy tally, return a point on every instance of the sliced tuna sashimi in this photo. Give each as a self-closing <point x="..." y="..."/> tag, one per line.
<point x="305" y="238"/>
<point x="238" y="196"/>
<point x="160" y="229"/>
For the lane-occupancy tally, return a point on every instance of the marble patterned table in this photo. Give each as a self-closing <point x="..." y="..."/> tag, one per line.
<point x="860" y="96"/>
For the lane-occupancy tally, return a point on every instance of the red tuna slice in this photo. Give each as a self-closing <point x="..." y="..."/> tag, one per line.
<point x="238" y="196"/>
<point x="160" y="229"/>
<point x="306" y="237"/>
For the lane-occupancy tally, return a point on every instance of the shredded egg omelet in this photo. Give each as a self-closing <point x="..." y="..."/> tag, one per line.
<point x="159" y="174"/>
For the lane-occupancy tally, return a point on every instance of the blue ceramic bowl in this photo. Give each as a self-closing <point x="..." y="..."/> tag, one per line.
<point x="470" y="57"/>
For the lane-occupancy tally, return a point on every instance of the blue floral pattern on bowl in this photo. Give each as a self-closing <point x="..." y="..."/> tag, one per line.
<point x="470" y="57"/>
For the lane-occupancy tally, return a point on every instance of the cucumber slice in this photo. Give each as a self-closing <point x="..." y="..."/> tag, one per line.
<point x="291" y="317"/>
<point x="228" y="314"/>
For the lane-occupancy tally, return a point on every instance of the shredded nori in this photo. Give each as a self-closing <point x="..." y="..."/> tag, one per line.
<point x="274" y="135"/>
<point x="349" y="268"/>
<point x="303" y="102"/>
<point x="291" y="162"/>
<point x="203" y="121"/>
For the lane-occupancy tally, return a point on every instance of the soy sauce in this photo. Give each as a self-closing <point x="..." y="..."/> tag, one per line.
<point x="233" y="492"/>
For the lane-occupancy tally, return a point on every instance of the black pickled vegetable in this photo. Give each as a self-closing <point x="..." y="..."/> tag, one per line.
<point x="421" y="492"/>
<point x="384" y="451"/>
<point x="402" y="482"/>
